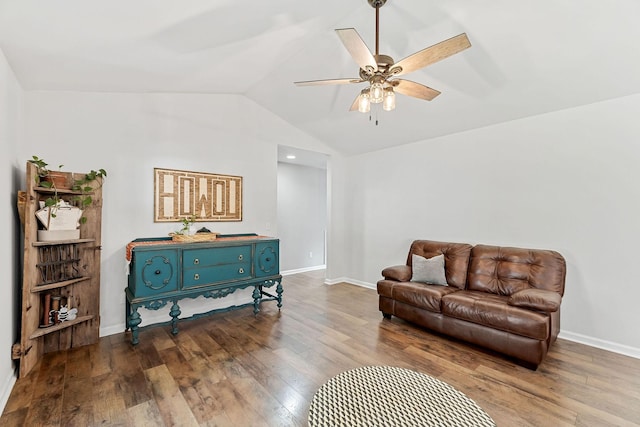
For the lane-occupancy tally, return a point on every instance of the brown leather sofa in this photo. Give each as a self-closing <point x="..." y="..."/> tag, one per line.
<point x="504" y="299"/>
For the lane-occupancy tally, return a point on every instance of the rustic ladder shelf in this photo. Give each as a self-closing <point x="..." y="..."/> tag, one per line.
<point x="64" y="271"/>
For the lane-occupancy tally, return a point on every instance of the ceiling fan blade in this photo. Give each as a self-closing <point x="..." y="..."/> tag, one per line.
<point x="358" y="49"/>
<point x="417" y="90"/>
<point x="328" y="82"/>
<point x="433" y="54"/>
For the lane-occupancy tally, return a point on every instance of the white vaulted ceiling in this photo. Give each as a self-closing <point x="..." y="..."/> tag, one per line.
<point x="527" y="57"/>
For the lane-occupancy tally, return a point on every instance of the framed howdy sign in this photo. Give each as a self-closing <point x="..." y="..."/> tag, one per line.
<point x="210" y="197"/>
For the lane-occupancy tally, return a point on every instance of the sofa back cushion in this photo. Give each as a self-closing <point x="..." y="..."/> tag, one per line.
<point x="503" y="271"/>
<point x="456" y="258"/>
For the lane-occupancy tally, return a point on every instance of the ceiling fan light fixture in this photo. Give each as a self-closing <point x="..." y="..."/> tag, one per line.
<point x="364" y="103"/>
<point x="389" y="102"/>
<point x="376" y="91"/>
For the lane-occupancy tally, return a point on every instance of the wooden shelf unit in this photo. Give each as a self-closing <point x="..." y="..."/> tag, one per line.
<point x="74" y="278"/>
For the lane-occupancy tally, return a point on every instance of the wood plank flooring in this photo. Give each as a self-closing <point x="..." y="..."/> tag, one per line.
<point x="234" y="369"/>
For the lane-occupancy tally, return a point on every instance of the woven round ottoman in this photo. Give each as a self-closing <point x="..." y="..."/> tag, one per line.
<point x="375" y="396"/>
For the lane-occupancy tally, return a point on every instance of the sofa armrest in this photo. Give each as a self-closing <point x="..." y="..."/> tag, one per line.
<point x="401" y="273"/>
<point x="536" y="299"/>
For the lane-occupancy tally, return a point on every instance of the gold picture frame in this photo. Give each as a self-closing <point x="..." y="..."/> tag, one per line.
<point x="182" y="194"/>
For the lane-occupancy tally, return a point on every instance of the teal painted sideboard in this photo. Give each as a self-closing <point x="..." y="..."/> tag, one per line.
<point x="162" y="271"/>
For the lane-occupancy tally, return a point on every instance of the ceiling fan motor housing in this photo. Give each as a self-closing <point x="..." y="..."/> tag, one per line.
<point x="385" y="64"/>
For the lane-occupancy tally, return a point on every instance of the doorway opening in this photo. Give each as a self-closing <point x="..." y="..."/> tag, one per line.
<point x="302" y="209"/>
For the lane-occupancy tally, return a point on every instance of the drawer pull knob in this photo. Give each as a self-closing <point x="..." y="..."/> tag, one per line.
<point x="268" y="259"/>
<point x="240" y="257"/>
<point x="196" y="261"/>
<point x="158" y="272"/>
<point x="241" y="271"/>
<point x="196" y="276"/>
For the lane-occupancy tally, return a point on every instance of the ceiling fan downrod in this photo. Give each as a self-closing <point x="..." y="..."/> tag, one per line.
<point x="377" y="4"/>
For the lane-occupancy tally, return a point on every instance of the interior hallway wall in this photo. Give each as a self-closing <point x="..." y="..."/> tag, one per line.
<point x="302" y="216"/>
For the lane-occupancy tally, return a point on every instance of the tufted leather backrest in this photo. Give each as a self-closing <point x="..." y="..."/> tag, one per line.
<point x="456" y="258"/>
<point x="503" y="271"/>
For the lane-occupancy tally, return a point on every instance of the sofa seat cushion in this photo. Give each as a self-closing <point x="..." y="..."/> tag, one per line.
<point x="421" y="295"/>
<point x="494" y="311"/>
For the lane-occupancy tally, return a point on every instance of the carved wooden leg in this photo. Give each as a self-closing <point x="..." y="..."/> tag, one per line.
<point x="133" y="322"/>
<point x="175" y="312"/>
<point x="127" y="312"/>
<point x="279" y="292"/>
<point x="257" y="296"/>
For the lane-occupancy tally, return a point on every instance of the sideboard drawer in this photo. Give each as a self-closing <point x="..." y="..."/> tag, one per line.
<point x="193" y="277"/>
<point x="216" y="256"/>
<point x="155" y="272"/>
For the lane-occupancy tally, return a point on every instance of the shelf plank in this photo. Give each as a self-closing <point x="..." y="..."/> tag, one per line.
<point x="48" y="286"/>
<point x="46" y="190"/>
<point x="62" y="325"/>
<point x="63" y="242"/>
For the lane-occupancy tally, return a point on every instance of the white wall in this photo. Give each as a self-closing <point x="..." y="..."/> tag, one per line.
<point x="129" y="135"/>
<point x="10" y="123"/>
<point x="567" y="181"/>
<point x="302" y="216"/>
<point x="338" y="233"/>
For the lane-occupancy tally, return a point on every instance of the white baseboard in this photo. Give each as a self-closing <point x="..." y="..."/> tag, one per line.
<point x="351" y="281"/>
<point x="335" y="281"/>
<point x="111" y="330"/>
<point x="5" y="390"/>
<point x="303" y="270"/>
<point x="602" y="344"/>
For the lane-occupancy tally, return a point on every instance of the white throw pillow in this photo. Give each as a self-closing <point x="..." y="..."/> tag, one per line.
<point x="429" y="271"/>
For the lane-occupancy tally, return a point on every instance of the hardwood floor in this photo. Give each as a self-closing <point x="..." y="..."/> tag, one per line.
<point x="234" y="369"/>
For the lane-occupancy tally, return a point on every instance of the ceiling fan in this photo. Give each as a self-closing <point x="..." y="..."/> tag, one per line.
<point x="380" y="71"/>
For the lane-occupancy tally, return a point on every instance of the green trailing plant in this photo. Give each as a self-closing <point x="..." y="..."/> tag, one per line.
<point x="42" y="172"/>
<point x="41" y="178"/>
<point x="84" y="186"/>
